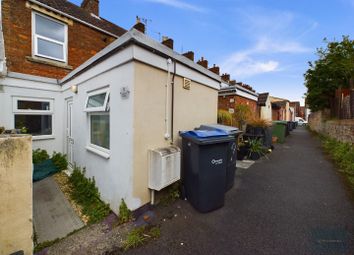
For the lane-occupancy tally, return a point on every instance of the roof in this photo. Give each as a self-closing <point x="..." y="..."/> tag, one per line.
<point x="77" y="12"/>
<point x="133" y="36"/>
<point x="262" y="99"/>
<point x="227" y="89"/>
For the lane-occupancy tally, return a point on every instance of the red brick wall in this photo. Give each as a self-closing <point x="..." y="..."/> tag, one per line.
<point x="252" y="104"/>
<point x="225" y="104"/>
<point x="83" y="42"/>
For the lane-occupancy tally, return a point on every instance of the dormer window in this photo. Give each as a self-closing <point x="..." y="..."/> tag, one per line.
<point x="49" y="38"/>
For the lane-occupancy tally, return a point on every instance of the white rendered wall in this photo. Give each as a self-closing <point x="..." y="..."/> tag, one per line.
<point x="266" y="111"/>
<point x="113" y="176"/>
<point x="15" y="87"/>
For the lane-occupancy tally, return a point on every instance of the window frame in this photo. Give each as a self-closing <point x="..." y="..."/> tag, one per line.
<point x="104" y="107"/>
<point x="101" y="110"/>
<point x="50" y="112"/>
<point x="36" y="36"/>
<point x="94" y="146"/>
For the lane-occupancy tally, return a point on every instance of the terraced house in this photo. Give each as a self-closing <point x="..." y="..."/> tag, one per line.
<point x="104" y="96"/>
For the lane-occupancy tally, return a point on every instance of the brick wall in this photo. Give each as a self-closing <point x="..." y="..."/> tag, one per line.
<point x="252" y="104"/>
<point x="83" y="42"/>
<point x="225" y="104"/>
<point x="342" y="130"/>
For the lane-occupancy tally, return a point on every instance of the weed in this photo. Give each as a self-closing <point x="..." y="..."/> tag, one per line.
<point x="39" y="156"/>
<point x="173" y="193"/>
<point x="139" y="236"/>
<point x="342" y="154"/>
<point x="45" y="244"/>
<point x="86" y="194"/>
<point x="125" y="214"/>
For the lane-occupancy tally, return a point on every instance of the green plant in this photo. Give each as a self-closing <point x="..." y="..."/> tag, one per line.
<point x="59" y="160"/>
<point x="139" y="236"/>
<point x="24" y="130"/>
<point x="342" y="154"/>
<point x="225" y="117"/>
<point x="40" y="246"/>
<point x="85" y="193"/>
<point x="125" y="214"/>
<point x="135" y="238"/>
<point x="256" y="147"/>
<point x="242" y="114"/>
<point x="172" y="194"/>
<point x="2" y="130"/>
<point x="39" y="156"/>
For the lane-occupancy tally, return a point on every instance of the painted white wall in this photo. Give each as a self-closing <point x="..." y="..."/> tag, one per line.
<point x="114" y="176"/>
<point x="266" y="111"/>
<point x="16" y="87"/>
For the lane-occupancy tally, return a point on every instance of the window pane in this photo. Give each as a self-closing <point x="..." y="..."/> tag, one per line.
<point x="50" y="49"/>
<point x="48" y="28"/>
<point x="33" y="105"/>
<point x="100" y="130"/>
<point x="35" y="124"/>
<point x="96" y="100"/>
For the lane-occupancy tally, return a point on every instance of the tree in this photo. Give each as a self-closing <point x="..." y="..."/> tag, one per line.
<point x="334" y="69"/>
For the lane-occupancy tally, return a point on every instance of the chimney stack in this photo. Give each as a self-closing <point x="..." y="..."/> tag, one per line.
<point x="225" y="77"/>
<point x="91" y="6"/>
<point x="167" y="42"/>
<point x="215" y="69"/>
<point x="232" y="82"/>
<point x="189" y="55"/>
<point x="139" y="26"/>
<point x="203" y="62"/>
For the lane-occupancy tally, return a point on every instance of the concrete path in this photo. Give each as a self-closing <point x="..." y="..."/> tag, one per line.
<point x="294" y="203"/>
<point x="53" y="216"/>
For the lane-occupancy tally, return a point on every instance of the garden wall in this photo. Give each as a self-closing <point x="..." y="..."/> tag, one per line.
<point x="16" y="194"/>
<point x="342" y="130"/>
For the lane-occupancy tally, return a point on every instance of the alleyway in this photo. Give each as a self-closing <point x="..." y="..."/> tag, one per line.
<point x="295" y="203"/>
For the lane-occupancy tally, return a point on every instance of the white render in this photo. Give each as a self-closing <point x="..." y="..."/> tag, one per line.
<point x="266" y="111"/>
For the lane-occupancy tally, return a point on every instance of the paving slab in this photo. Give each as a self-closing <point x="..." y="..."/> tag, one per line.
<point x="295" y="203"/>
<point x="53" y="216"/>
<point x="244" y="164"/>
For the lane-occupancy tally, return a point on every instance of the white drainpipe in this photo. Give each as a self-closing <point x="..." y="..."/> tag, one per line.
<point x="167" y="108"/>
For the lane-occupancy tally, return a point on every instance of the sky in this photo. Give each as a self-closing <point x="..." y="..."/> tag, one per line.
<point x="264" y="43"/>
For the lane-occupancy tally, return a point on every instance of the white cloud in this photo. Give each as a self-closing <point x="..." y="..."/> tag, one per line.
<point x="178" y="4"/>
<point x="273" y="37"/>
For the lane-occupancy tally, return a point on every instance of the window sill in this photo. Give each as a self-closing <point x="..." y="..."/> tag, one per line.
<point x="42" y="137"/>
<point x="49" y="62"/>
<point x="98" y="152"/>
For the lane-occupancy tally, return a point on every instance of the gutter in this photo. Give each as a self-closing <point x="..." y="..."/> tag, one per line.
<point x="73" y="18"/>
<point x="3" y="69"/>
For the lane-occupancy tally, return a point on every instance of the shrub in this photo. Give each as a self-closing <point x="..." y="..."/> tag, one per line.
<point x="59" y="160"/>
<point x="257" y="122"/>
<point x="125" y="214"/>
<point x="225" y="118"/>
<point x="2" y="129"/>
<point x="39" y="156"/>
<point x="85" y="193"/>
<point x="342" y="154"/>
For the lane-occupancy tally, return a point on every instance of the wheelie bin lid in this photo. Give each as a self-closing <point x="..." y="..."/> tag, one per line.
<point x="207" y="136"/>
<point x="228" y="129"/>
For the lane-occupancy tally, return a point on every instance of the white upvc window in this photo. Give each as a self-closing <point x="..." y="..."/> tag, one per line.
<point x="35" y="115"/>
<point x="50" y="37"/>
<point x="97" y="107"/>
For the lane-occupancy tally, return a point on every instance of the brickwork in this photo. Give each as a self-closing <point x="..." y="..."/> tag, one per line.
<point x="83" y="42"/>
<point x="225" y="103"/>
<point x="342" y="130"/>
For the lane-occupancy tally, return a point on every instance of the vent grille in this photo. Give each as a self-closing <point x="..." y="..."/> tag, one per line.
<point x="187" y="84"/>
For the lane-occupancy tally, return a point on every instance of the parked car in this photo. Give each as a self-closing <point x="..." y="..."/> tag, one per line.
<point x="300" y="121"/>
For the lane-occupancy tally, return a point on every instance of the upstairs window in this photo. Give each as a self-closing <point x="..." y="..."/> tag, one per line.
<point x="49" y="38"/>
